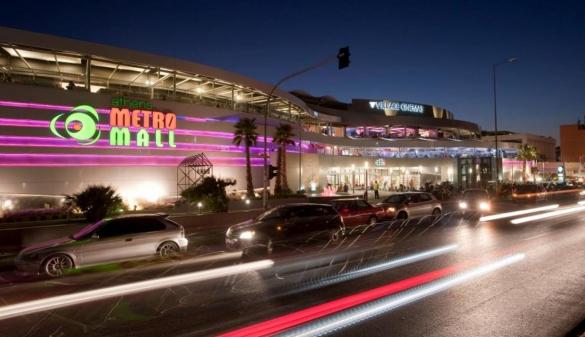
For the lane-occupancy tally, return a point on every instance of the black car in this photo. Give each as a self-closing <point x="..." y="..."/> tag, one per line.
<point x="284" y="226"/>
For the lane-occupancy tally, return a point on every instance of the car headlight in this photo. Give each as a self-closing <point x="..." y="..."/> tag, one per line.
<point x="390" y="209"/>
<point x="484" y="206"/>
<point x="582" y="192"/>
<point x="462" y="204"/>
<point x="246" y="235"/>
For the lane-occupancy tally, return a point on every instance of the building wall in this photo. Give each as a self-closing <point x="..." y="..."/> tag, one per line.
<point x="572" y="143"/>
<point x="545" y="146"/>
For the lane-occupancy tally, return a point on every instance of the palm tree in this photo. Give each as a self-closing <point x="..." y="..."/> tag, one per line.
<point x="283" y="137"/>
<point x="526" y="153"/>
<point x="245" y="132"/>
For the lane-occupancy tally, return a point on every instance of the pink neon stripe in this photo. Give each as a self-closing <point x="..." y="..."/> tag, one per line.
<point x="105" y="145"/>
<point x="45" y="124"/>
<point x="67" y="159"/>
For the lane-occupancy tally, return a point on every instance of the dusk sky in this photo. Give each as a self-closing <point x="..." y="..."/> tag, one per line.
<point x="438" y="53"/>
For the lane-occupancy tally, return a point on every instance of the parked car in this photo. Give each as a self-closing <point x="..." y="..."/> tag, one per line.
<point x="358" y="212"/>
<point x="285" y="225"/>
<point x="475" y="200"/>
<point x="411" y="205"/>
<point x="529" y="192"/>
<point x="111" y="240"/>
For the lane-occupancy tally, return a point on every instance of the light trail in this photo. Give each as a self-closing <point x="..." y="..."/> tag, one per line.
<point x="516" y="213"/>
<point x="394" y="263"/>
<point x="288" y="321"/>
<point x="548" y="215"/>
<point x="581" y="202"/>
<point x="55" y="302"/>
<point x="383" y="305"/>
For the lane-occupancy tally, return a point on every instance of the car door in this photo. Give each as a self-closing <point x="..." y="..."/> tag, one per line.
<point x="347" y="209"/>
<point x="415" y="206"/>
<point x="146" y="234"/>
<point x="426" y="204"/>
<point x="111" y="242"/>
<point x="364" y="211"/>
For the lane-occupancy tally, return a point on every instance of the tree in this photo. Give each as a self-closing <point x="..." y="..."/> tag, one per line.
<point x="245" y="132"/>
<point x="283" y="137"/>
<point x="97" y="201"/>
<point x="210" y="192"/>
<point x="526" y="153"/>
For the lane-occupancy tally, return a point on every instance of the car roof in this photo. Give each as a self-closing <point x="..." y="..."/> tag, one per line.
<point x="347" y="199"/>
<point x="141" y="215"/>
<point x="302" y="204"/>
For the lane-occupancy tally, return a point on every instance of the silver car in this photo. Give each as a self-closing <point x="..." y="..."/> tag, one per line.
<point x="411" y="205"/>
<point x="110" y="240"/>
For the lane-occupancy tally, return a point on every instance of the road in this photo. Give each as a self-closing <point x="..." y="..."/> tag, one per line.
<point x="473" y="278"/>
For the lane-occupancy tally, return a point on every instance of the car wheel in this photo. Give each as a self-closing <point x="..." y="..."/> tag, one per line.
<point x="373" y="221"/>
<point x="402" y="216"/>
<point x="57" y="265"/>
<point x="167" y="250"/>
<point x="437" y="212"/>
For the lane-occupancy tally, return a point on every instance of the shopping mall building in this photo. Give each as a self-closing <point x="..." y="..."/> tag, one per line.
<point x="74" y="113"/>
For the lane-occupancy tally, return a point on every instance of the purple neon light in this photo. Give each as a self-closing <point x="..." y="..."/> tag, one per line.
<point x="45" y="124"/>
<point x="105" y="145"/>
<point x="41" y="106"/>
<point x="68" y="159"/>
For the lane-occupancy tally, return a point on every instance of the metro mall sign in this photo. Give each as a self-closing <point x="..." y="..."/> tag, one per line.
<point x="128" y="119"/>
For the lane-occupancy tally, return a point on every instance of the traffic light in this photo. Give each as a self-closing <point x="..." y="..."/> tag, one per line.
<point x="343" y="58"/>
<point x="272" y="172"/>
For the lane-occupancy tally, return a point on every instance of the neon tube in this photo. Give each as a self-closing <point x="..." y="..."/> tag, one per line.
<point x="69" y="159"/>
<point x="55" y="302"/>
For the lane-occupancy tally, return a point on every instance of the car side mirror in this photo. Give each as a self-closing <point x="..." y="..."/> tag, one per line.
<point x="95" y="236"/>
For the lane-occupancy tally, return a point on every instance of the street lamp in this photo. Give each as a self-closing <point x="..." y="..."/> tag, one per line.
<point x="366" y="165"/>
<point x="343" y="62"/>
<point x="494" y="67"/>
<point x="199" y="205"/>
<point x="353" y="179"/>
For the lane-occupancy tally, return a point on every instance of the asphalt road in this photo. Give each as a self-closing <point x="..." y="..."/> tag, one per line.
<point x="537" y="289"/>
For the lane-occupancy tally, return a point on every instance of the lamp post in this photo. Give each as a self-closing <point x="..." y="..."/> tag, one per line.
<point x="343" y="57"/>
<point x="366" y="165"/>
<point x="353" y="179"/>
<point x="494" y="67"/>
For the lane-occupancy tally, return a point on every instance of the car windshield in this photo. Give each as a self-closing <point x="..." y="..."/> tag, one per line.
<point x="87" y="230"/>
<point x="396" y="198"/>
<point x="475" y="194"/>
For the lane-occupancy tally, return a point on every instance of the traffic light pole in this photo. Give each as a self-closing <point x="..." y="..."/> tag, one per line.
<point x="267" y="110"/>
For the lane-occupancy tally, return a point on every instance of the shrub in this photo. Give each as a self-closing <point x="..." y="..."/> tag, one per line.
<point x="210" y="192"/>
<point x="97" y="202"/>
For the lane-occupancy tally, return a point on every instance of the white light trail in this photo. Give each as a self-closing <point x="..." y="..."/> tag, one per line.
<point x="355" y="315"/>
<point x="516" y="213"/>
<point x="548" y="215"/>
<point x="55" y="302"/>
<point x="395" y="263"/>
<point x="581" y="202"/>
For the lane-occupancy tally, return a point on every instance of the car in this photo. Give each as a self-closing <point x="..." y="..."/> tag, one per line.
<point x="285" y="225"/>
<point x="529" y="192"/>
<point x="110" y="240"/>
<point x="356" y="211"/>
<point x="475" y="200"/>
<point x="406" y="205"/>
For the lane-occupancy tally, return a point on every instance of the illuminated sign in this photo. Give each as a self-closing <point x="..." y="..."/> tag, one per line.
<point x="380" y="162"/>
<point x="81" y="124"/>
<point x="396" y="106"/>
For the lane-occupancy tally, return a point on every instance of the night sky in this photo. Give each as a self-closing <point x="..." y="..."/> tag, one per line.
<point x="429" y="52"/>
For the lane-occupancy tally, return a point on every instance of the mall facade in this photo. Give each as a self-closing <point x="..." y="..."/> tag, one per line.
<point x="75" y="113"/>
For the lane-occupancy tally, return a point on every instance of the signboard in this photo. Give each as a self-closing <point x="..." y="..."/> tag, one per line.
<point x="397" y="106"/>
<point x="379" y="162"/>
<point x="128" y="120"/>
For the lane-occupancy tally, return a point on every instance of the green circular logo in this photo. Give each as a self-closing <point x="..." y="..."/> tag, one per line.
<point x="80" y="124"/>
